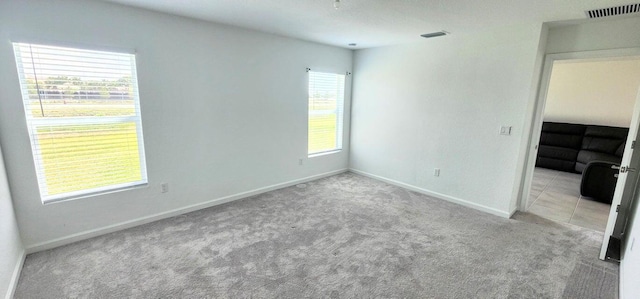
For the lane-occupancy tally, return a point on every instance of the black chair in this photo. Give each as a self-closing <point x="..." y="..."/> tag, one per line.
<point x="599" y="181"/>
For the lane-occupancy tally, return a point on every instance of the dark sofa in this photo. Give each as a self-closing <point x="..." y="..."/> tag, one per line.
<point x="572" y="147"/>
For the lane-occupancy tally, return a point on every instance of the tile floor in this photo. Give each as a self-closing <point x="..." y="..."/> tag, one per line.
<point x="555" y="195"/>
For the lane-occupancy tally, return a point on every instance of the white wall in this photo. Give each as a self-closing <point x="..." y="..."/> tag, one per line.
<point x="593" y="92"/>
<point x="439" y="103"/>
<point x="223" y="111"/>
<point x="11" y="249"/>
<point x="597" y="35"/>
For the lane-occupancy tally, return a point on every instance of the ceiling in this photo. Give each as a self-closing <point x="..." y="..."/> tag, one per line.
<point x="372" y="23"/>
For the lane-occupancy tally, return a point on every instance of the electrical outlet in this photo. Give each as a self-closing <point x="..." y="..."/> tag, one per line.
<point x="505" y="130"/>
<point x="164" y="187"/>
<point x="299" y="161"/>
<point x="436" y="172"/>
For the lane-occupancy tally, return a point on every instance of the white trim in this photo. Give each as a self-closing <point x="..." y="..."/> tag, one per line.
<point x="318" y="154"/>
<point x="534" y="132"/>
<point x="13" y="284"/>
<point x="339" y="111"/>
<point x="116" y="61"/>
<point x="163" y="215"/>
<point x="93" y="192"/>
<point x="83" y="120"/>
<point x="445" y="197"/>
<point x="67" y="44"/>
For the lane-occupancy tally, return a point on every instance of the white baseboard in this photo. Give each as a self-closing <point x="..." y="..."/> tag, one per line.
<point x="151" y="218"/>
<point x="13" y="284"/>
<point x="452" y="199"/>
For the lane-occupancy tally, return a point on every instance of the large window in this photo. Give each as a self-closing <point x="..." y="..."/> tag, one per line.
<point x="83" y="115"/>
<point x="326" y="104"/>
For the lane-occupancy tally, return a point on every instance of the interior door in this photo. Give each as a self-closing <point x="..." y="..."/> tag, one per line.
<point x="614" y="234"/>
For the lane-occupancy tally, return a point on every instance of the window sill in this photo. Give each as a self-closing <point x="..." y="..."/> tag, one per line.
<point x="324" y="153"/>
<point x="92" y="194"/>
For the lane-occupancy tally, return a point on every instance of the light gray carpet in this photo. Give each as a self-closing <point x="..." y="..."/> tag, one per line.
<point x="591" y="280"/>
<point x="345" y="236"/>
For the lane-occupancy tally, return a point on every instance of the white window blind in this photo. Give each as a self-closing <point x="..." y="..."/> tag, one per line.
<point x="83" y="115"/>
<point x="326" y="106"/>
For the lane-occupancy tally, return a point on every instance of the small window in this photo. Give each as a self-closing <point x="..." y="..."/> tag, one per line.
<point x="83" y="116"/>
<point x="326" y="105"/>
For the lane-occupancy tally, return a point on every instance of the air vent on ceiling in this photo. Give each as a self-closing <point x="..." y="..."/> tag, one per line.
<point x="434" y="34"/>
<point x="613" y="11"/>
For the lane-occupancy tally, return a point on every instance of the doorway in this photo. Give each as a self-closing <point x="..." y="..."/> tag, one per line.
<point x="542" y="184"/>
<point x="586" y="117"/>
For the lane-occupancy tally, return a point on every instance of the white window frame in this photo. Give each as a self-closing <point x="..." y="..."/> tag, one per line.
<point x="34" y="122"/>
<point x="339" y="112"/>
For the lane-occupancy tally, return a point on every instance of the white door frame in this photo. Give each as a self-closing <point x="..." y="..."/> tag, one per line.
<point x="538" y="113"/>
